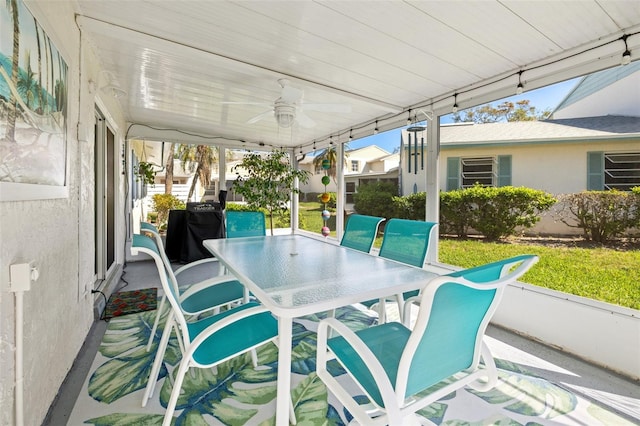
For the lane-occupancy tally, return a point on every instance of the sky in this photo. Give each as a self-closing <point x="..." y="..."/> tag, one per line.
<point x="544" y="98"/>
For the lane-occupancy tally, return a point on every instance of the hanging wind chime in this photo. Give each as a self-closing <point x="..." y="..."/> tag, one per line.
<point x="325" y="197"/>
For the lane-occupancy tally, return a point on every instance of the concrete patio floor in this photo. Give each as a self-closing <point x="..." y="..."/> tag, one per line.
<point x="615" y="393"/>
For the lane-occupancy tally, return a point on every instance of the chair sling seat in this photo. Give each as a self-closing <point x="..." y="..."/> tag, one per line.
<point x="405" y="241"/>
<point x="386" y="341"/>
<point x="233" y="338"/>
<point x="241" y="224"/>
<point x="219" y="294"/>
<point x="360" y="232"/>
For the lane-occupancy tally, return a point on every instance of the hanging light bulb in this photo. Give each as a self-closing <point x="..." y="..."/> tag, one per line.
<point x="455" y="104"/>
<point x="375" y="130"/>
<point x="350" y="135"/>
<point x="520" y="87"/>
<point x="409" y="119"/>
<point x="626" y="56"/>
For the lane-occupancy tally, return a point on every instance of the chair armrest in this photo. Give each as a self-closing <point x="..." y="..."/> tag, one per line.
<point x="195" y="288"/>
<point x="375" y="368"/>
<point x="194" y="263"/>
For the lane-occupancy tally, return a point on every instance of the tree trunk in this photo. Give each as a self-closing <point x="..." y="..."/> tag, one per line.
<point x="194" y="182"/>
<point x="168" y="175"/>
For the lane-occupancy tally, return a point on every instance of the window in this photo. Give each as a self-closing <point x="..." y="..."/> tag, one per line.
<point x="487" y="171"/>
<point x="477" y="170"/>
<point x="350" y="189"/>
<point x="613" y="170"/>
<point x="355" y="166"/>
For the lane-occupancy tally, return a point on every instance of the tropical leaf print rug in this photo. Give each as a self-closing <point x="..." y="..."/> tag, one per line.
<point x="235" y="393"/>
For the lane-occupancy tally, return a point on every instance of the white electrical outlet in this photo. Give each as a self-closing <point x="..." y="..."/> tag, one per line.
<point x="21" y="276"/>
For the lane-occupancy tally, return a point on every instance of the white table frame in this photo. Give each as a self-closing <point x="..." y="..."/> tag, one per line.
<point x="327" y="277"/>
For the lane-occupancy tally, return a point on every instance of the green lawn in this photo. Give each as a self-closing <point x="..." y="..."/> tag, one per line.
<point x="603" y="274"/>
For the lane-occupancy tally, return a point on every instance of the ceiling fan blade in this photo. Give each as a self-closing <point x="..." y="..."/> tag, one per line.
<point x="260" y="117"/>
<point x="340" y="108"/>
<point x="304" y="120"/>
<point x="246" y="103"/>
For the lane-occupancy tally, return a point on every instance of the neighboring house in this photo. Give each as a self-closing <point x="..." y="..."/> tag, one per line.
<point x="370" y="163"/>
<point x="556" y="156"/>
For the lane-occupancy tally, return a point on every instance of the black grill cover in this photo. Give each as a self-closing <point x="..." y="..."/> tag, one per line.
<point x="187" y="229"/>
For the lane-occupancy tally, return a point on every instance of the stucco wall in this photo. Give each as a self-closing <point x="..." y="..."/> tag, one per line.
<point x="57" y="235"/>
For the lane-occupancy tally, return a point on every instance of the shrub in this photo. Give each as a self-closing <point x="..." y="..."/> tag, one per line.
<point x="411" y="206"/>
<point x="162" y="203"/>
<point x="455" y="213"/>
<point x="602" y="215"/>
<point x="635" y="207"/>
<point x="375" y="199"/>
<point x="497" y="212"/>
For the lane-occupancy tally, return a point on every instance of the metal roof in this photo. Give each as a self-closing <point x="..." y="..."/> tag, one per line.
<point x="210" y="71"/>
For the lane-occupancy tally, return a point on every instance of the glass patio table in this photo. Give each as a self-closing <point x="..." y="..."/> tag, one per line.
<point x="295" y="275"/>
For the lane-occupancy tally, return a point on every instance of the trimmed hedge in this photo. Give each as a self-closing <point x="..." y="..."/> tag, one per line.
<point x="494" y="212"/>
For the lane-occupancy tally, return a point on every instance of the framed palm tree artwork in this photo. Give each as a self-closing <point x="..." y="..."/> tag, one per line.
<point x="33" y="109"/>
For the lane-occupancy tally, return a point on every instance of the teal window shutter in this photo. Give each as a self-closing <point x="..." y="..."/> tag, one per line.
<point x="453" y="173"/>
<point x="595" y="171"/>
<point x="504" y="170"/>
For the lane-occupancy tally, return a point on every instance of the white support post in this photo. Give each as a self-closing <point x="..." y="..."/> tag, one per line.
<point x="340" y="193"/>
<point x="433" y="192"/>
<point x="295" y="198"/>
<point x="222" y="168"/>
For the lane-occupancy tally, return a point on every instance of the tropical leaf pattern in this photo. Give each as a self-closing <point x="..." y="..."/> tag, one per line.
<point x="236" y="393"/>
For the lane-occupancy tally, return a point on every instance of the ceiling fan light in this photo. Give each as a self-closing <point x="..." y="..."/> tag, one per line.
<point x="285" y="115"/>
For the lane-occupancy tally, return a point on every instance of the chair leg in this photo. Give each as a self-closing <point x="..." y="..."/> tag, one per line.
<point x="400" y="301"/>
<point x="155" y="369"/>
<point x="382" y="311"/>
<point x="175" y="392"/>
<point x="155" y="322"/>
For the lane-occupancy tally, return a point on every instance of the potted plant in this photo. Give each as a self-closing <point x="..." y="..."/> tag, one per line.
<point x="145" y="171"/>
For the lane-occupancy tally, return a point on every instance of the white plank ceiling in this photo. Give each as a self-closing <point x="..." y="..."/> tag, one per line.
<point x="208" y="68"/>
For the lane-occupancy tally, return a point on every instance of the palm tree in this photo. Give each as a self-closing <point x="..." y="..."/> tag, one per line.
<point x="27" y="84"/>
<point x="198" y="159"/>
<point x="12" y="5"/>
<point x="40" y="108"/>
<point x="330" y="154"/>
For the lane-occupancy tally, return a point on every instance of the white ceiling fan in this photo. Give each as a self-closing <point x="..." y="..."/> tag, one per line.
<point x="289" y="108"/>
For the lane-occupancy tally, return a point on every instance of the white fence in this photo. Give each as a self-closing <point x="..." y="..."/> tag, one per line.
<point x="179" y="191"/>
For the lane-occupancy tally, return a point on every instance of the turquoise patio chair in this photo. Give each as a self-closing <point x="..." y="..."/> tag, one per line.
<point x="405" y="241"/>
<point x="402" y="370"/>
<point x="245" y="224"/>
<point x="207" y="342"/>
<point x="360" y="232"/>
<point x="209" y="294"/>
<point x="479" y="274"/>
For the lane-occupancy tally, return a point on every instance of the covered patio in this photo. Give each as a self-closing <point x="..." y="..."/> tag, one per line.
<point x="537" y="383"/>
<point x="264" y="75"/>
